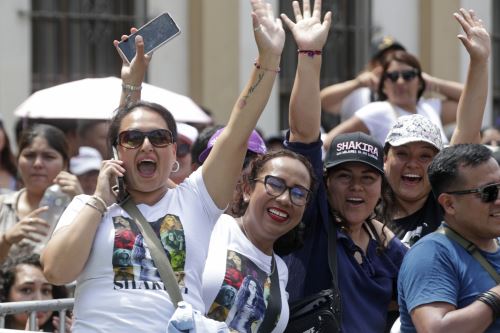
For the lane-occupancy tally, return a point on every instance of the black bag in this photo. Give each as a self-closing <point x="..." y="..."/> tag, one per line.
<point x="315" y="313"/>
<point x="320" y="312"/>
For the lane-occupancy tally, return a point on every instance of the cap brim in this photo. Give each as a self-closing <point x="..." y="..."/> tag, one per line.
<point x="330" y="165"/>
<point x="403" y="141"/>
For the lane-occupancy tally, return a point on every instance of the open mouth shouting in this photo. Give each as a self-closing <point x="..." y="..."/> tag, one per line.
<point x="146" y="167"/>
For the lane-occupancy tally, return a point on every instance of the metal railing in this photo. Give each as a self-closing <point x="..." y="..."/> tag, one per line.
<point x="32" y="307"/>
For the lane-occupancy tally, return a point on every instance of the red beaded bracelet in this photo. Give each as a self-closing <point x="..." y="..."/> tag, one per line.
<point x="310" y="53"/>
<point x="258" y="66"/>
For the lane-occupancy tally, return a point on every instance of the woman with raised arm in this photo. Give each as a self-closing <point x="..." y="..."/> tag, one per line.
<point x="402" y="84"/>
<point x="96" y="242"/>
<point x="414" y="141"/>
<point x="368" y="254"/>
<point x="245" y="279"/>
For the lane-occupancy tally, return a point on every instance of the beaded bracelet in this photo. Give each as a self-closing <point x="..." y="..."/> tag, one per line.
<point x="492" y="299"/>
<point x="310" y="53"/>
<point x="258" y="66"/>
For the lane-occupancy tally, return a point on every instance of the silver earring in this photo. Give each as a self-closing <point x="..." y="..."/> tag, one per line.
<point x="176" y="166"/>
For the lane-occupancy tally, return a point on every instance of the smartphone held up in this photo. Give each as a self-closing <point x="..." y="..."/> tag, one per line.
<point x="155" y="33"/>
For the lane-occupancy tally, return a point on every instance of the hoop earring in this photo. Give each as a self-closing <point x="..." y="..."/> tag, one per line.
<point x="176" y="166"/>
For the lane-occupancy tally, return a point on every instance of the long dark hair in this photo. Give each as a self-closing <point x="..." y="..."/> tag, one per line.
<point x="9" y="272"/>
<point x="293" y="239"/>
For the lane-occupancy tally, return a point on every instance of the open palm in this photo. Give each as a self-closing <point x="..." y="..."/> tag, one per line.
<point x="308" y="30"/>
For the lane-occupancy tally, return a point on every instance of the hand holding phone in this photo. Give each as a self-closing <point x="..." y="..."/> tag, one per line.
<point x="121" y="193"/>
<point x="155" y="33"/>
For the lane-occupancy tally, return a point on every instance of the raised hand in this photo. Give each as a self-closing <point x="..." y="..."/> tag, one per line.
<point x="268" y="30"/>
<point x="476" y="39"/>
<point x="134" y="72"/>
<point x="308" y="30"/>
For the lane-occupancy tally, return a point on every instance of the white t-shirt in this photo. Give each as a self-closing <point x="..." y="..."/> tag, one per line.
<point x="119" y="289"/>
<point x="233" y="264"/>
<point x="354" y="101"/>
<point x="379" y="117"/>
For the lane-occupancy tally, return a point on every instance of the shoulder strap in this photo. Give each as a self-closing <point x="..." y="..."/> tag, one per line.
<point x="156" y="249"/>
<point x="332" y="262"/>
<point x="471" y="248"/>
<point x="274" y="305"/>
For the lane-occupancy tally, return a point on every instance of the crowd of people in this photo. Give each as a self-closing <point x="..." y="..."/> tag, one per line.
<point x="250" y="226"/>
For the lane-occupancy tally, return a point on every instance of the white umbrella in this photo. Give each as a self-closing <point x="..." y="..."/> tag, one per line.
<point x="98" y="98"/>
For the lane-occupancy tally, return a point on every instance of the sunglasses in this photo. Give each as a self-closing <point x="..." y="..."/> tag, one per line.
<point x="132" y="139"/>
<point x="488" y="193"/>
<point x="276" y="186"/>
<point x="183" y="149"/>
<point x="406" y="75"/>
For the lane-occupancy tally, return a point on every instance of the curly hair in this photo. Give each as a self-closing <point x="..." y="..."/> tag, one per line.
<point x="293" y="239"/>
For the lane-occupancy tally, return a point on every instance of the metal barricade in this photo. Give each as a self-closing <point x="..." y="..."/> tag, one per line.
<point x="32" y="307"/>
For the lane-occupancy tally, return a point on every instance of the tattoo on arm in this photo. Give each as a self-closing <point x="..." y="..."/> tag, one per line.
<point x="243" y="101"/>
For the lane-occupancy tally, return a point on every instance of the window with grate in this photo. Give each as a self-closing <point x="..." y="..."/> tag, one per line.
<point x="344" y="54"/>
<point x="72" y="40"/>
<point x="495" y="41"/>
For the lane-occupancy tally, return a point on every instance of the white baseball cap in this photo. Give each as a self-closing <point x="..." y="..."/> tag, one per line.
<point x="88" y="159"/>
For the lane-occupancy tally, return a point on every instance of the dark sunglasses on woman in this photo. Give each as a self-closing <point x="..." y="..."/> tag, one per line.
<point x="407" y="75"/>
<point x="132" y="139"/>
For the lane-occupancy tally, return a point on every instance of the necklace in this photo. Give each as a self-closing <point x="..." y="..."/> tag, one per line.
<point x="245" y="232"/>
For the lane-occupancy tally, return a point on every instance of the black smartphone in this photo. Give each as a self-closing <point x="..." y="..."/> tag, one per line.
<point x="155" y="33"/>
<point x="121" y="194"/>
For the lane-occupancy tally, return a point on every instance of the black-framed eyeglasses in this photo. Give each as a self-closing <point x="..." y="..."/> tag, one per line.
<point x="407" y="75"/>
<point x="276" y="186"/>
<point x="487" y="193"/>
<point x="183" y="149"/>
<point x="132" y="139"/>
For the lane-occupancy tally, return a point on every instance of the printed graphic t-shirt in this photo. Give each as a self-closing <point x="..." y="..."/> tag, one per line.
<point x="119" y="289"/>
<point x="236" y="282"/>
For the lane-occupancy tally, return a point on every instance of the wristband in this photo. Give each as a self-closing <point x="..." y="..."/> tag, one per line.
<point x="310" y="53"/>
<point x="492" y="299"/>
<point x="129" y="87"/>
<point x="258" y="66"/>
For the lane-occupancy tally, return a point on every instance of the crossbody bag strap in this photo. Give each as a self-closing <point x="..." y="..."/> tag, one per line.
<point x="472" y="249"/>
<point x="274" y="305"/>
<point x="332" y="262"/>
<point x="156" y="249"/>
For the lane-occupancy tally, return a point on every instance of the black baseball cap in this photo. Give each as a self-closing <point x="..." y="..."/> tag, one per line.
<point x="355" y="147"/>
